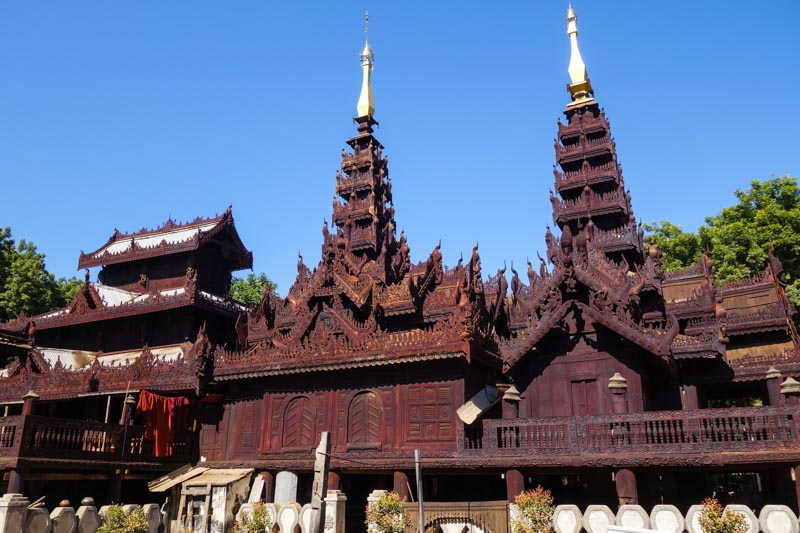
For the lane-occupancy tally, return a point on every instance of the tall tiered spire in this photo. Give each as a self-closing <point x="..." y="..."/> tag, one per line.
<point x="581" y="87"/>
<point x="366" y="107"/>
<point x="589" y="182"/>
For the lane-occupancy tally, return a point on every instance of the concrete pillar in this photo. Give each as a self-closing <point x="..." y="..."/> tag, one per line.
<point x="334" y="480"/>
<point x="400" y="485"/>
<point x="510" y="403"/>
<point x="27" y="402"/>
<point x="618" y="387"/>
<point x="285" y="487"/>
<point x="627" y="491"/>
<point x="88" y="517"/>
<point x="774" y="386"/>
<point x="335" y="503"/>
<point x="13" y="509"/>
<point x="515" y="484"/>
<point x="63" y="519"/>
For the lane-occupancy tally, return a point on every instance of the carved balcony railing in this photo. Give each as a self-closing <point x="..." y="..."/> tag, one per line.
<point x="621" y="238"/>
<point x="591" y="203"/>
<point x="45" y="437"/>
<point x="588" y="125"/>
<point x="591" y="175"/>
<point x="736" y="429"/>
<point x="584" y="149"/>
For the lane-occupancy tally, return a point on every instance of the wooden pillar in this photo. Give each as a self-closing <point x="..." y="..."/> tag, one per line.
<point x="400" y="485"/>
<point x="128" y="406"/>
<point x="790" y="390"/>
<point x="689" y="399"/>
<point x="510" y="403"/>
<point x="16" y="480"/>
<point x="115" y="490"/>
<point x="618" y="387"/>
<point x="795" y="478"/>
<point x="515" y="484"/>
<point x="774" y="386"/>
<point x="627" y="491"/>
<point x="269" y="486"/>
<point x="334" y="480"/>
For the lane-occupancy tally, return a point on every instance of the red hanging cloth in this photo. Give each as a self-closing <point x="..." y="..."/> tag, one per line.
<point x="162" y="417"/>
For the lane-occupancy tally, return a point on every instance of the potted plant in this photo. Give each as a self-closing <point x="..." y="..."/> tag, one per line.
<point x="713" y="519"/>
<point x="118" y="520"/>
<point x="257" y="521"/>
<point x="534" y="512"/>
<point x="388" y="515"/>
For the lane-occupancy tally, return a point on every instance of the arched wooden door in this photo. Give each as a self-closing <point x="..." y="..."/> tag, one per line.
<point x="298" y="424"/>
<point x="364" y="421"/>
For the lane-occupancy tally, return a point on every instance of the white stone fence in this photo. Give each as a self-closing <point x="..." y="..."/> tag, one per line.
<point x="664" y="519"/>
<point x="16" y="517"/>
<point x="295" y="518"/>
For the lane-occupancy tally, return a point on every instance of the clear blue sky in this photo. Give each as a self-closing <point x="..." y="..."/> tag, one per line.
<point x="119" y="114"/>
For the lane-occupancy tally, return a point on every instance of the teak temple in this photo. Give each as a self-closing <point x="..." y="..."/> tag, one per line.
<point x="593" y="372"/>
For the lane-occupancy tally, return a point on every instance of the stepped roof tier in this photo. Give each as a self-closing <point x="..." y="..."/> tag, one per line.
<point x="171" y="238"/>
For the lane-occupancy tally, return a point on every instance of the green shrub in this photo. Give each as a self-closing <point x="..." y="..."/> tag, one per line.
<point x="258" y="521"/>
<point x="118" y="520"/>
<point x="714" y="520"/>
<point x="387" y="515"/>
<point x="535" y="512"/>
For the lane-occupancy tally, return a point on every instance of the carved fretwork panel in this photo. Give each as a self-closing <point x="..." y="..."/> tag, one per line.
<point x="299" y="423"/>
<point x="364" y="421"/>
<point x="430" y="411"/>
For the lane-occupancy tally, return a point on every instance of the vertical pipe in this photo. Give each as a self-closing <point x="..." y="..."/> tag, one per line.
<point x="419" y="492"/>
<point x="108" y="408"/>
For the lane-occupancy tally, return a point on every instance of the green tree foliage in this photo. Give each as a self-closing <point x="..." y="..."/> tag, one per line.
<point x="388" y="515"/>
<point x="25" y="283"/>
<point x="249" y="290"/>
<point x="256" y="521"/>
<point x="714" y="519"/>
<point x="739" y="236"/>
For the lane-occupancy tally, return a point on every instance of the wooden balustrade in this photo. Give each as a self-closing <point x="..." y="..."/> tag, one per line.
<point x="61" y="438"/>
<point x="663" y="431"/>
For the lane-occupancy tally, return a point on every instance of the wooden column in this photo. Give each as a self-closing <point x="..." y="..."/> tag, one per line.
<point x="774" y="386"/>
<point x="115" y="489"/>
<point x="269" y="486"/>
<point x="795" y="476"/>
<point x="515" y="484"/>
<point x="618" y="387"/>
<point x="334" y="480"/>
<point x="627" y="491"/>
<point x="689" y="399"/>
<point x="790" y="390"/>
<point x="510" y="402"/>
<point x="16" y="480"/>
<point x="400" y="485"/>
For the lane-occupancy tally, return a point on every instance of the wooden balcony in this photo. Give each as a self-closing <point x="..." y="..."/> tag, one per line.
<point x="702" y="431"/>
<point x="44" y="438"/>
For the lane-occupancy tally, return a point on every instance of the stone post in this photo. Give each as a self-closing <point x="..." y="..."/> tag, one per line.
<point x="285" y="487"/>
<point x="774" y="386"/>
<point x="373" y="497"/>
<point x="515" y="484"/>
<point x="88" y="517"/>
<point x="13" y="508"/>
<point x="400" y="485"/>
<point x="335" y="511"/>
<point x="790" y="390"/>
<point x="618" y="387"/>
<point x="63" y="518"/>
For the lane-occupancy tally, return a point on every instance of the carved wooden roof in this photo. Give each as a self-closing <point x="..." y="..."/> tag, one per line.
<point x="170" y="238"/>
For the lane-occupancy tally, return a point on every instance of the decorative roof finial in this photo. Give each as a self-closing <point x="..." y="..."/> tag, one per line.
<point x="581" y="87"/>
<point x="366" y="107"/>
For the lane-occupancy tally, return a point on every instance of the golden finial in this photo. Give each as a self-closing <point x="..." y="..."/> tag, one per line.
<point x="581" y="87"/>
<point x="366" y="107"/>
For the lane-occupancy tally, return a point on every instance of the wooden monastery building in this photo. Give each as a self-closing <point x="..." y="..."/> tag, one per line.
<point x="595" y="373"/>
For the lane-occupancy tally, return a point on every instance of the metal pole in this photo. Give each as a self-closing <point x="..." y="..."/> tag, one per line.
<point x="419" y="492"/>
